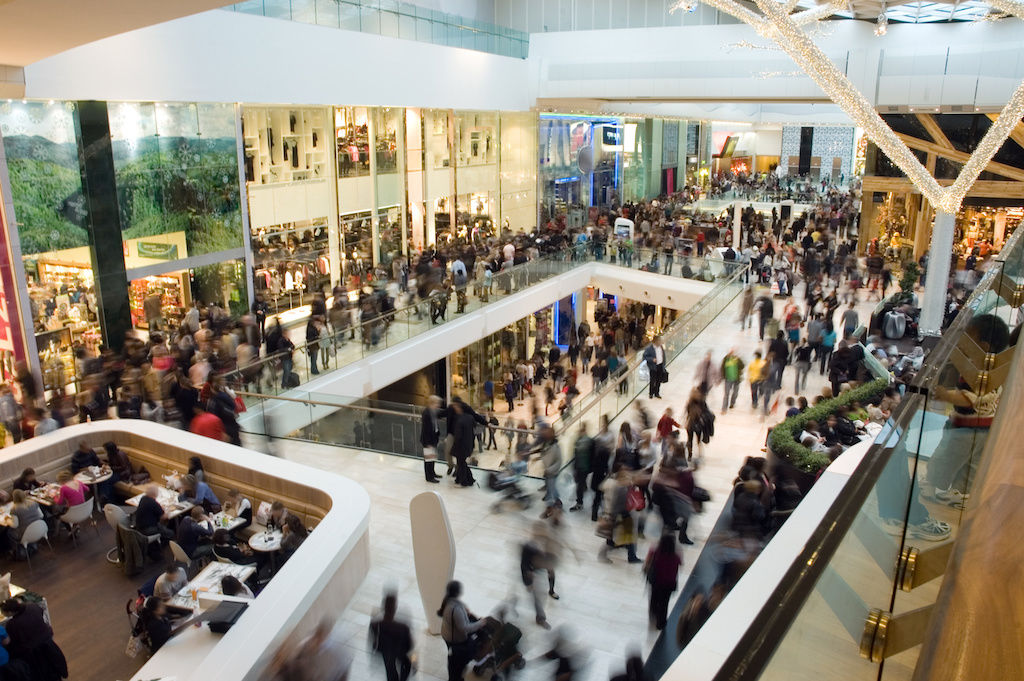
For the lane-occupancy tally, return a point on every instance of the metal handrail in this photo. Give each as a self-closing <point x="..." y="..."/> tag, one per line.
<point x="413" y="414"/>
<point x="673" y="328"/>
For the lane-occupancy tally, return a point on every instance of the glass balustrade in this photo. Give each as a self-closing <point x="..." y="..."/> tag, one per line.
<point x="267" y="375"/>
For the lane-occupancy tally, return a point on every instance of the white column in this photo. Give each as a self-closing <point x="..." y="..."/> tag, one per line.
<point x="371" y="135"/>
<point x="937" y="277"/>
<point x="999" y="231"/>
<point x="737" y="224"/>
<point x="400" y="154"/>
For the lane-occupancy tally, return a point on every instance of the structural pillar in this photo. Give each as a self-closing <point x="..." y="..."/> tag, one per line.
<point x="371" y="135"/>
<point x="737" y="224"/>
<point x="937" y="277"/>
<point x="96" y="163"/>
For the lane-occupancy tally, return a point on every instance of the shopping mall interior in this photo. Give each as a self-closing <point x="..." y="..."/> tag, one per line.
<point x="642" y="340"/>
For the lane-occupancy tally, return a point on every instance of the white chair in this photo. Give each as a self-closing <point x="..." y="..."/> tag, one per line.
<point x="76" y="515"/>
<point x="115" y="516"/>
<point x="179" y="553"/>
<point x="35" y="532"/>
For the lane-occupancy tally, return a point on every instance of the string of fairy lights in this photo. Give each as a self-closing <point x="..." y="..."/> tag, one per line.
<point x="777" y="23"/>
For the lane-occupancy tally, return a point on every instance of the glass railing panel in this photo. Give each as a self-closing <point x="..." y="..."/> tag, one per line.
<point x="384" y="331"/>
<point x="883" y="545"/>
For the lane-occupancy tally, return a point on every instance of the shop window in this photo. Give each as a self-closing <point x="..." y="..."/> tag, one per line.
<point x="285" y="144"/>
<point x="386" y="122"/>
<point x="291" y="263"/>
<point x="222" y="283"/>
<point x="46" y="189"/>
<point x="351" y="129"/>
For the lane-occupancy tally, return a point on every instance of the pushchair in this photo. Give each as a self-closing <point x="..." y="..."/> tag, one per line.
<point x="506" y="483"/>
<point x="498" y="650"/>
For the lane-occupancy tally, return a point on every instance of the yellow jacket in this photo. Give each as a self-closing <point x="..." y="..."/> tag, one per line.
<point x="755" y="370"/>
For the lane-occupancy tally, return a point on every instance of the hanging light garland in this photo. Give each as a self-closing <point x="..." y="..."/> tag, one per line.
<point x="777" y="24"/>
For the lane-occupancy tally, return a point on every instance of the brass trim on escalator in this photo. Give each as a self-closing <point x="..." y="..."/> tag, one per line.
<point x="908" y="568"/>
<point x="867" y="640"/>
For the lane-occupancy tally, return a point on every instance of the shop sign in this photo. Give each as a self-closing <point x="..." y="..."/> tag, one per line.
<point x="157" y="251"/>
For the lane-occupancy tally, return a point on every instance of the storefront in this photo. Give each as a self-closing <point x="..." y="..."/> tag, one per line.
<point x="175" y="234"/>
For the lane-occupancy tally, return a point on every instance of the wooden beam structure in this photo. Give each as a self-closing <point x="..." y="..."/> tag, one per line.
<point x="989" y="189"/>
<point x="933" y="129"/>
<point x="1018" y="131"/>
<point x="961" y="157"/>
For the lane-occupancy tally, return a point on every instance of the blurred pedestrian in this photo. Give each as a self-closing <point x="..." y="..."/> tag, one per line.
<point x="662" y="570"/>
<point x="393" y="640"/>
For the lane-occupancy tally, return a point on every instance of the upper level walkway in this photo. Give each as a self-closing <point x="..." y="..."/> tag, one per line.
<point x="409" y="341"/>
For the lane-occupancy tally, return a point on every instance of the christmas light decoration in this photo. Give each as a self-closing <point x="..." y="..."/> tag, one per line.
<point x="1009" y="6"/>
<point x="776" y="23"/>
<point x="882" y="25"/>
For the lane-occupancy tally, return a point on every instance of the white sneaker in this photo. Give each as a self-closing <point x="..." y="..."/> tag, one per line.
<point x="951" y="497"/>
<point x="929" y="530"/>
<point x="893" y="526"/>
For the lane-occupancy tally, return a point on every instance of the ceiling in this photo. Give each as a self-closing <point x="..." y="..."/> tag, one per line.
<point x="912" y="11"/>
<point x="31" y="30"/>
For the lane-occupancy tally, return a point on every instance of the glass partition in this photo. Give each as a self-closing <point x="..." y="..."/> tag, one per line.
<point x="857" y="601"/>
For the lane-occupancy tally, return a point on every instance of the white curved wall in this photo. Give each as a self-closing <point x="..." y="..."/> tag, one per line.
<point x="317" y="582"/>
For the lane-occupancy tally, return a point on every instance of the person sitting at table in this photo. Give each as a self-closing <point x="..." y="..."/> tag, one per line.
<point x="149" y="515"/>
<point x="24" y="511"/>
<point x="278" y="516"/>
<point x="198" y="493"/>
<point x="27" y="480"/>
<point x="195" y="468"/>
<point x="83" y="457"/>
<point x="118" y="461"/>
<point x="193" y="535"/>
<point x="32" y="639"/>
<point x="230" y="586"/>
<point x="293" y="534"/>
<point x="240" y="507"/>
<point x="72" y="492"/>
<point x="224" y="547"/>
<point x="154" y="625"/>
<point x="171" y="581"/>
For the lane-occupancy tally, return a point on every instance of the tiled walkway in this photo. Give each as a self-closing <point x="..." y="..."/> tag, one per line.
<point x="605" y="605"/>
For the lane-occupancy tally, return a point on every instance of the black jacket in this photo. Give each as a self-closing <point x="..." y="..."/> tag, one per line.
<point x="462" y="428"/>
<point x="430" y="428"/>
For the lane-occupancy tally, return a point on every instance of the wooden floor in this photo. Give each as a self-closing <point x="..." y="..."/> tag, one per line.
<point x="86" y="596"/>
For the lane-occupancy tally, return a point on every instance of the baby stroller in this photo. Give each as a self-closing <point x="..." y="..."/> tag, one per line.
<point x="498" y="649"/>
<point x="506" y="482"/>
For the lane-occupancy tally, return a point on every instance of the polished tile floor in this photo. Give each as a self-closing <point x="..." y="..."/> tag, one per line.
<point x="602" y="606"/>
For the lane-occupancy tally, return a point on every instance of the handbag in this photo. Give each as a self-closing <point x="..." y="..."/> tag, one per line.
<point x="635" y="500"/>
<point x="430" y="453"/>
<point x="135" y="646"/>
<point x="700" y="494"/>
<point x="604" y="527"/>
<point x="664" y="375"/>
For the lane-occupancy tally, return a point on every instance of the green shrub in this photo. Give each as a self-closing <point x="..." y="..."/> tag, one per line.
<point x="783" y="443"/>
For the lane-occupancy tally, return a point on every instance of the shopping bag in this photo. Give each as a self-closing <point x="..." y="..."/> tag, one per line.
<point x="635" y="499"/>
<point x="430" y="453"/>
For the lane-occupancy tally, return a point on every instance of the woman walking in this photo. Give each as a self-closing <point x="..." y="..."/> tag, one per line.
<point x="662" y="570"/>
<point x="457" y="627"/>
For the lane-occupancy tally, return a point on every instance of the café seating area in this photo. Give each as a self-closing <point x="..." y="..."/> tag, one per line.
<point x="332" y="560"/>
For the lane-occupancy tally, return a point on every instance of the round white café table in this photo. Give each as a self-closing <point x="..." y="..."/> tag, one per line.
<point x="266" y="542"/>
<point x="85" y="476"/>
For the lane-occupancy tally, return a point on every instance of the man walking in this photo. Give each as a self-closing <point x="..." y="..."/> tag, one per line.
<point x="551" y="457"/>
<point x="583" y="454"/>
<point x="654" y="356"/>
<point x="732" y="374"/>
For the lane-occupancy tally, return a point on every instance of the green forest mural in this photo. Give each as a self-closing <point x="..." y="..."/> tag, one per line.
<point x="165" y="183"/>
